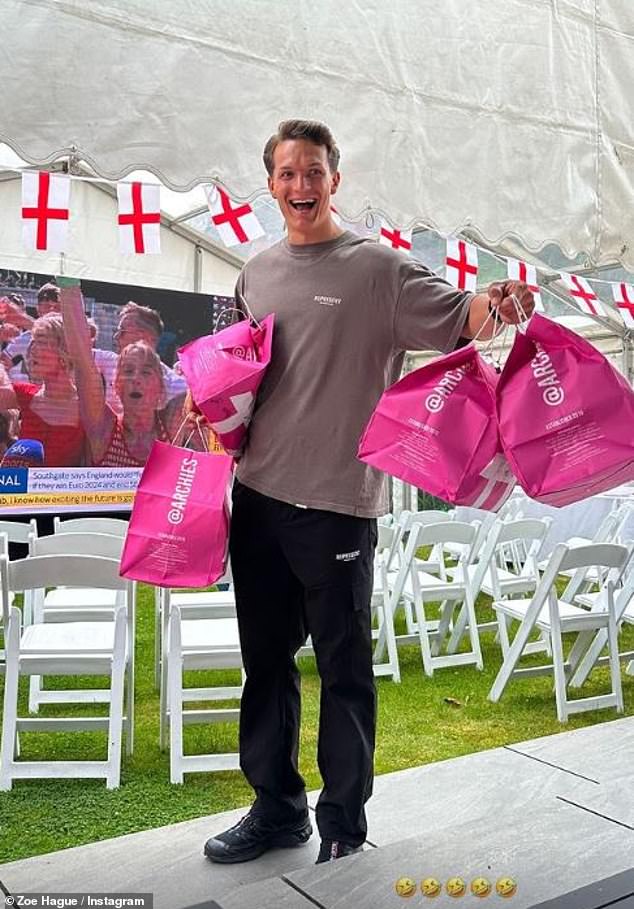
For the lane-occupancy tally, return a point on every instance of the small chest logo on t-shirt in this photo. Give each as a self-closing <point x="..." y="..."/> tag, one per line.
<point x="327" y="301"/>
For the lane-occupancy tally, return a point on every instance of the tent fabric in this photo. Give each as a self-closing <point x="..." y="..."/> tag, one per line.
<point x="505" y="119"/>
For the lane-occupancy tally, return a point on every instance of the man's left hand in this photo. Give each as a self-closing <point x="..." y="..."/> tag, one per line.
<point x="501" y="297"/>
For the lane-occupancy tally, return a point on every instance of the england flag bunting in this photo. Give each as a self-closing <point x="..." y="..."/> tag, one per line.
<point x="524" y="271"/>
<point x="236" y="223"/>
<point x="624" y="298"/>
<point x="45" y="211"/>
<point x="583" y="295"/>
<point x="139" y="217"/>
<point x="397" y="239"/>
<point x="461" y="264"/>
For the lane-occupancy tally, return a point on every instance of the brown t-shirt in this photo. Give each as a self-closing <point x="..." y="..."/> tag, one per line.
<point x="345" y="312"/>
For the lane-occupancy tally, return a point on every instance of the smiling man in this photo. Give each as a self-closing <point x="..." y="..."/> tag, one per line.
<point x="304" y="518"/>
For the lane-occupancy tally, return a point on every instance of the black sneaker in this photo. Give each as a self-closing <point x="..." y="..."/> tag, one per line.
<point x="334" y="849"/>
<point x="252" y="836"/>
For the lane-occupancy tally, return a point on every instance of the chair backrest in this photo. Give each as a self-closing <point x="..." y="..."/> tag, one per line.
<point x="18" y="531"/>
<point x="386" y="536"/>
<point x="38" y="572"/>
<point x="444" y="532"/>
<point x="114" y="526"/>
<point x="99" y="544"/>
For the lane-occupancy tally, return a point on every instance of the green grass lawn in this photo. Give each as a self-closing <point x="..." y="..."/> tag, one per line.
<point x="416" y="725"/>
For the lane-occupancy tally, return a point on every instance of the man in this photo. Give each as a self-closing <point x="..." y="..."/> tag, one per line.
<point x="136" y="323"/>
<point x="304" y="518"/>
<point x="13" y="356"/>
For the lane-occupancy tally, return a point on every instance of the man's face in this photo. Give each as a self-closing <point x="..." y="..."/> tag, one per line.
<point x="46" y="306"/>
<point x="130" y="330"/>
<point x="302" y="183"/>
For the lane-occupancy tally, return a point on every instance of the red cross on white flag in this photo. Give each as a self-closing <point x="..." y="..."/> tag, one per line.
<point x="139" y="217"/>
<point x="461" y="264"/>
<point x="235" y="223"/>
<point x="524" y="271"/>
<point x="583" y="295"/>
<point x="397" y="239"/>
<point x="624" y="298"/>
<point x="45" y="211"/>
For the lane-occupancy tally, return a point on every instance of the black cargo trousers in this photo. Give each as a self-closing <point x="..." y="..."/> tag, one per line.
<point x="301" y="571"/>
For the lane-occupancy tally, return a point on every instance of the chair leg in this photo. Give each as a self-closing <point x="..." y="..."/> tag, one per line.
<point x="35" y="686"/>
<point x="117" y="685"/>
<point x="560" y="675"/>
<point x="615" y="665"/>
<point x="423" y="636"/>
<point x="459" y="628"/>
<point x="469" y="608"/>
<point x="503" y="632"/>
<point x="444" y="624"/>
<point x="175" y="689"/>
<point x="157" y="636"/>
<point x="583" y="657"/>
<point x="390" y="637"/>
<point x="10" y="713"/>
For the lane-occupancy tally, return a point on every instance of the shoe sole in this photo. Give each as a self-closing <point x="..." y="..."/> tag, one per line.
<point x="279" y="841"/>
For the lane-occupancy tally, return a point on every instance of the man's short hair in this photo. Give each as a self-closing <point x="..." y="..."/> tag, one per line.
<point x="310" y="130"/>
<point x="147" y="316"/>
<point x="48" y="292"/>
<point x="18" y="299"/>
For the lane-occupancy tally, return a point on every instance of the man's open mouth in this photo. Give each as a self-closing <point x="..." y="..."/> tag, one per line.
<point x="303" y="204"/>
<point x="136" y="395"/>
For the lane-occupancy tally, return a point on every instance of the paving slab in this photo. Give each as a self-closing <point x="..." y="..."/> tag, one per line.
<point x="491" y="784"/>
<point x="273" y="894"/>
<point x="167" y="861"/>
<point x="614" y="801"/>
<point x="548" y="852"/>
<point x="604" y="752"/>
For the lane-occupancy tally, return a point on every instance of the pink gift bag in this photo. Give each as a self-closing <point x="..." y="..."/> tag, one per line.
<point x="436" y="429"/>
<point x="566" y="416"/>
<point x="179" y="527"/>
<point x="224" y="372"/>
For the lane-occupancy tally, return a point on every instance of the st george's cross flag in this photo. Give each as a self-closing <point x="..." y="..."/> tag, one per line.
<point x="583" y="295"/>
<point x="524" y="271"/>
<point x="45" y="210"/>
<point x="624" y="298"/>
<point x="461" y="264"/>
<point x="139" y="217"/>
<point x="397" y="239"/>
<point x="236" y="223"/>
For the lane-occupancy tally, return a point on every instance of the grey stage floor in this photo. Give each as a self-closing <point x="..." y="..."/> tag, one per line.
<point x="555" y="814"/>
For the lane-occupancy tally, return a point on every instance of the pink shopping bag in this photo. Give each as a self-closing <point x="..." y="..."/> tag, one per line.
<point x="224" y="372"/>
<point x="566" y="416"/>
<point x="436" y="429"/>
<point x="179" y="527"/>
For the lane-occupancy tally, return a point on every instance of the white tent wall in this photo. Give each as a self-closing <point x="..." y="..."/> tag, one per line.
<point x="511" y="119"/>
<point x="183" y="263"/>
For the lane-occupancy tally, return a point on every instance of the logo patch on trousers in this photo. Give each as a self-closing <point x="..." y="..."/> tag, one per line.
<point x="348" y="556"/>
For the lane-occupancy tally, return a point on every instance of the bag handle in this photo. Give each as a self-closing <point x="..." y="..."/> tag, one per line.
<point x="189" y="437"/>
<point x="233" y="309"/>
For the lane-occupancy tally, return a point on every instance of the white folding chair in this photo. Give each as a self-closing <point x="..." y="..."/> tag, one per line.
<point x="73" y="604"/>
<point x="198" y="636"/>
<point x="19" y="532"/>
<point x="115" y="527"/>
<point x="421" y="587"/>
<point x="545" y="612"/>
<point x="587" y="649"/>
<point x="74" y="648"/>
<point x="512" y="570"/>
